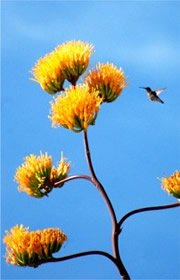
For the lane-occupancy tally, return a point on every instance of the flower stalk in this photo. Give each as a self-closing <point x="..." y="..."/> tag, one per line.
<point x="78" y="255"/>
<point x="145" y="209"/>
<point x="115" y="231"/>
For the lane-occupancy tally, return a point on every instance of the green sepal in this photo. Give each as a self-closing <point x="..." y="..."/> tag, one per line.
<point x="53" y="246"/>
<point x="55" y="86"/>
<point x="83" y="69"/>
<point x="92" y="122"/>
<point x="43" y="173"/>
<point x="34" y="258"/>
<point x="51" y="89"/>
<point x="43" y="255"/>
<point x="80" y="69"/>
<point x="176" y="194"/>
<point x="77" y="130"/>
<point x="34" y="185"/>
<point x="112" y="97"/>
<point x="38" y="195"/>
<point x="21" y="263"/>
<point x="78" y="122"/>
<point x="20" y="260"/>
<point x="23" y="258"/>
<point x="61" y="177"/>
<point x="58" y="247"/>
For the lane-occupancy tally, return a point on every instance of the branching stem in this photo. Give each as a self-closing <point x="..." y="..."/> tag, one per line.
<point x="78" y="255"/>
<point x="79" y="176"/>
<point x="116" y="226"/>
<point x="145" y="209"/>
<point x="115" y="230"/>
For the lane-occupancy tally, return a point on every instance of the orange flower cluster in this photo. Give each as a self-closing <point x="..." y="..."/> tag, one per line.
<point x="68" y="61"/>
<point x="108" y="80"/>
<point x="26" y="248"/>
<point x="76" y="109"/>
<point x="172" y="184"/>
<point x="36" y="176"/>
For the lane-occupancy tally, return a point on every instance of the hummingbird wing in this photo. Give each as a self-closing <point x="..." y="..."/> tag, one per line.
<point x="156" y="98"/>
<point x="158" y="91"/>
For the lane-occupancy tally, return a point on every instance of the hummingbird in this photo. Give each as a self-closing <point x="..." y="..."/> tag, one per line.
<point x="153" y="94"/>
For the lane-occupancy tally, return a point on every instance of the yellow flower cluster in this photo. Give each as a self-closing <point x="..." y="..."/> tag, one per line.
<point x="47" y="72"/>
<point x="74" y="58"/>
<point x="36" y="176"/>
<point x="108" y="80"/>
<point x="26" y="248"/>
<point x="76" y="109"/>
<point x="172" y="184"/>
<point x="67" y="61"/>
<point x="60" y="172"/>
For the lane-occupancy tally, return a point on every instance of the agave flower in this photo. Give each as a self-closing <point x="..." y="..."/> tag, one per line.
<point x="108" y="80"/>
<point x="48" y="73"/>
<point x="74" y="57"/>
<point x="68" y="61"/>
<point x="172" y="184"/>
<point x="76" y="109"/>
<point x="36" y="176"/>
<point x="24" y="248"/>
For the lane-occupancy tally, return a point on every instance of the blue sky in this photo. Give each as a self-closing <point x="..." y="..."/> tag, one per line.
<point x="134" y="141"/>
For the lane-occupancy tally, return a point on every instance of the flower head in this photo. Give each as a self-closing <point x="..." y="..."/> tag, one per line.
<point x="172" y="184"/>
<point x="108" y="79"/>
<point x="76" y="109"/>
<point x="48" y="73"/>
<point x="26" y="248"/>
<point x="36" y="176"/>
<point x="74" y="57"/>
<point x="67" y="61"/>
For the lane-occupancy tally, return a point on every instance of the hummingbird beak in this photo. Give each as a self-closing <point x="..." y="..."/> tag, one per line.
<point x="142" y="87"/>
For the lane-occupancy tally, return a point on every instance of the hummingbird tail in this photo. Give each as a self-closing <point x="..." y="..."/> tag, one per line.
<point x="161" y="101"/>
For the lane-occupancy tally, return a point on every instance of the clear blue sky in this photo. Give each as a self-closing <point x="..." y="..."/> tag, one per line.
<point x="133" y="142"/>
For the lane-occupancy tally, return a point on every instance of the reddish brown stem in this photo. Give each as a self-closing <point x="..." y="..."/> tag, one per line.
<point x="115" y="230"/>
<point x="78" y="255"/>
<point x="79" y="176"/>
<point x="145" y="209"/>
<point x="117" y="260"/>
